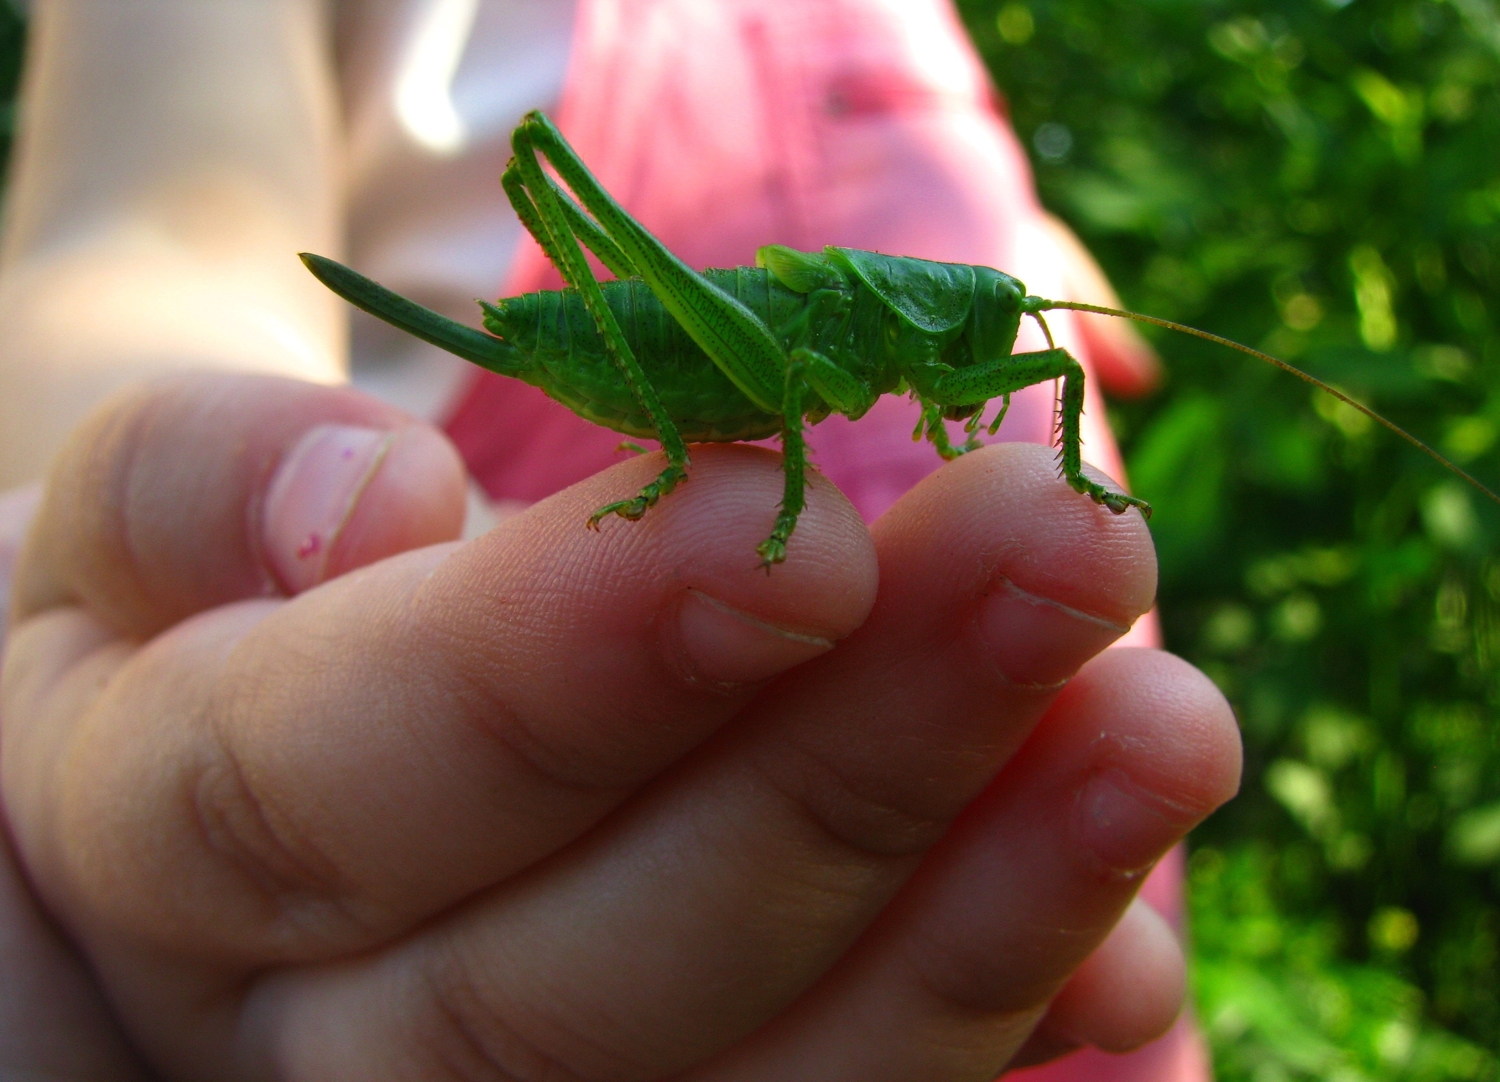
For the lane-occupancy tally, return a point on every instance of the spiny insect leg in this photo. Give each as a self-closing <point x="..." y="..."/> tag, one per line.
<point x="993" y="379"/>
<point x="1039" y="304"/>
<point x="735" y="339"/>
<point x="540" y="206"/>
<point x="1070" y="416"/>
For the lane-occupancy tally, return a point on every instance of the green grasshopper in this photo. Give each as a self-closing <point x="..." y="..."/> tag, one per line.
<point x="670" y="354"/>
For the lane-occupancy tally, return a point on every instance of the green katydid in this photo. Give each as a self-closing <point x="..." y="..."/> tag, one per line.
<point x="675" y="355"/>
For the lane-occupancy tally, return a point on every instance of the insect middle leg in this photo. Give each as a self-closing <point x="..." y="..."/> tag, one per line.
<point x="993" y="379"/>
<point x="806" y="370"/>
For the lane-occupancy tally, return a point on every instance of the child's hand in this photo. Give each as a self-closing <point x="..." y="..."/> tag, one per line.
<point x="565" y="805"/>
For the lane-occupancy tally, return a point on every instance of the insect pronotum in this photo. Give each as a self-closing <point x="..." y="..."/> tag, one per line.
<point x="679" y="356"/>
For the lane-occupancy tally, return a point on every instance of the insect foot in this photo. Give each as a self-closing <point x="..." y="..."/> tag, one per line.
<point x="771" y="551"/>
<point x="1117" y="502"/>
<point x="646" y="499"/>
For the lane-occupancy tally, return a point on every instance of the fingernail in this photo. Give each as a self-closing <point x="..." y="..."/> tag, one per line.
<point x="1125" y="828"/>
<point x="724" y="645"/>
<point x="312" y="496"/>
<point x="1037" y="641"/>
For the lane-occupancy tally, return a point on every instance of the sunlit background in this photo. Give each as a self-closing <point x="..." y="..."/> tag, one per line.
<point x="1321" y="180"/>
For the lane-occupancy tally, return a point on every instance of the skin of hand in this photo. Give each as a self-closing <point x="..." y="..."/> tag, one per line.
<point x="300" y="788"/>
<point x="287" y="790"/>
<point x="53" y="1022"/>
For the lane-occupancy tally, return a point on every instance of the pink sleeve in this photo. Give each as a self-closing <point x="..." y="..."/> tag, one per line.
<point x="864" y="123"/>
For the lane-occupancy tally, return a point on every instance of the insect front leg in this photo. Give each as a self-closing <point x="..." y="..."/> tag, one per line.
<point x="933" y="428"/>
<point x="992" y="379"/>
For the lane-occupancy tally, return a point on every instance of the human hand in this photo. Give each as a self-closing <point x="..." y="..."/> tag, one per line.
<point x="575" y="805"/>
<point x="53" y="1022"/>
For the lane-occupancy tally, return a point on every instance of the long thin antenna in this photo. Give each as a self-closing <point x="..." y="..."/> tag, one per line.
<point x="1079" y="306"/>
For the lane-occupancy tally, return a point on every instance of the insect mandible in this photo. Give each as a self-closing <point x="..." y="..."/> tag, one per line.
<point x="668" y="353"/>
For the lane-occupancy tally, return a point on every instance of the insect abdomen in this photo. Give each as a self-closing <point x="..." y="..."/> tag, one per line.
<point x="569" y="363"/>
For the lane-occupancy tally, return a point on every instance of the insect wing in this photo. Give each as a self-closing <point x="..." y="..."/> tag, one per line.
<point x="933" y="297"/>
<point x="801" y="272"/>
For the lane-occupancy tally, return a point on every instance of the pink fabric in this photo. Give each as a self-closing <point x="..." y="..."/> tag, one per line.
<point x="723" y="125"/>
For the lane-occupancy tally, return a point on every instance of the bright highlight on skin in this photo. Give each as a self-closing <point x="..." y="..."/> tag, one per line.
<point x="424" y="102"/>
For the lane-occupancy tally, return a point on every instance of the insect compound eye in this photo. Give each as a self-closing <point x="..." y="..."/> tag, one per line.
<point x="1007" y="293"/>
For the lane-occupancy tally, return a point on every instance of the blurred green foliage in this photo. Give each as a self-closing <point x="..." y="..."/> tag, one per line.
<point x="12" y="33"/>
<point x="1322" y="180"/>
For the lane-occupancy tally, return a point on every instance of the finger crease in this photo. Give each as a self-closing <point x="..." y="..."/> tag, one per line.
<point x="502" y="727"/>
<point x="475" y="1043"/>
<point x="235" y="822"/>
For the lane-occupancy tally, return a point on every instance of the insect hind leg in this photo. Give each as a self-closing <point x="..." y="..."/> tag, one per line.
<point x="557" y="225"/>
